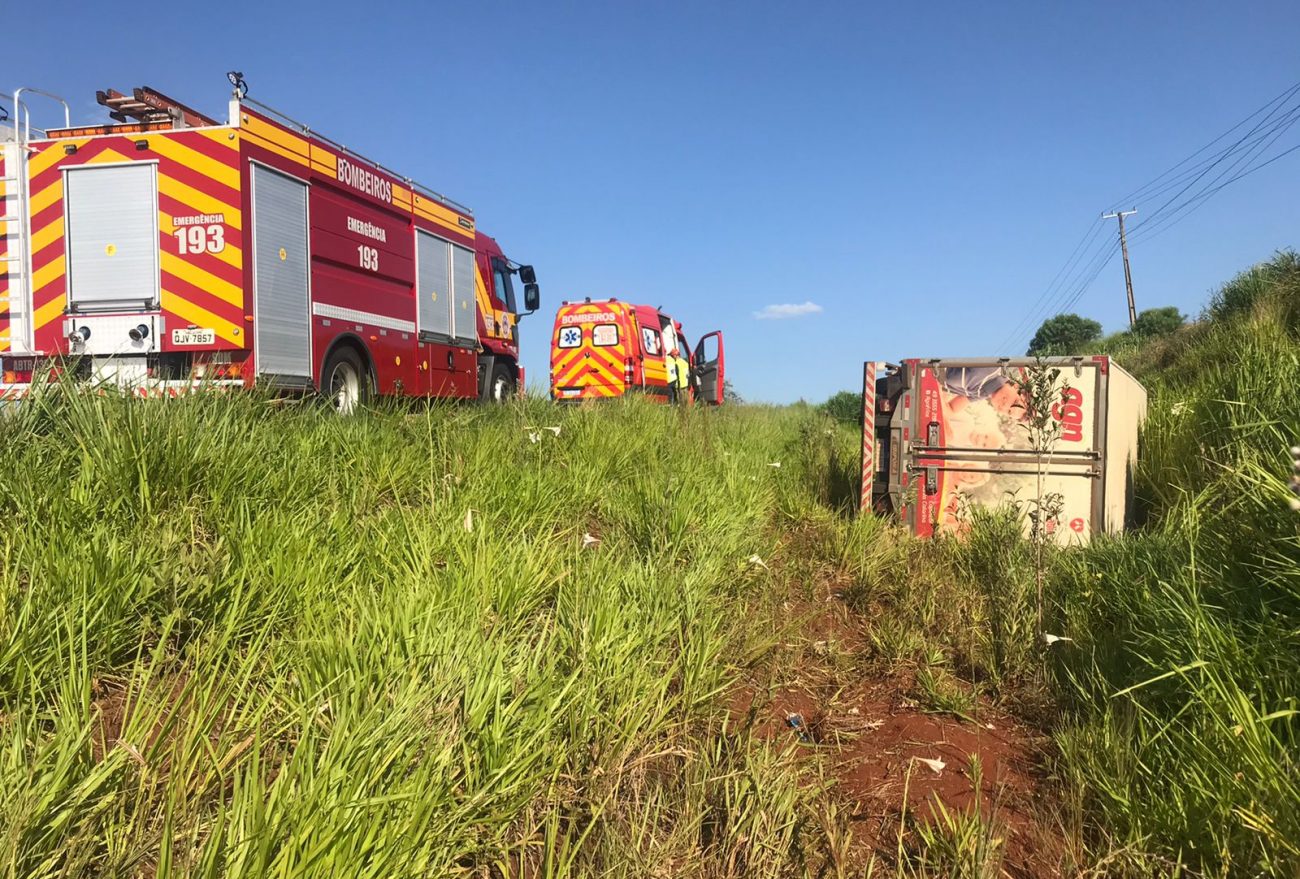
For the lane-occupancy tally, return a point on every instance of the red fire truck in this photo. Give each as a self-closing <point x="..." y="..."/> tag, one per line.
<point x="166" y="251"/>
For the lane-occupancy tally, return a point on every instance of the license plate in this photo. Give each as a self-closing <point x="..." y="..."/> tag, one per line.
<point x="194" y="337"/>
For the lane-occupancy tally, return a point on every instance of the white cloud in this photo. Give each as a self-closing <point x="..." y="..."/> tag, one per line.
<point x="787" y="310"/>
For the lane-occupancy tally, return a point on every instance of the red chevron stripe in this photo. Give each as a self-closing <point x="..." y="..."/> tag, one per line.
<point x="202" y="298"/>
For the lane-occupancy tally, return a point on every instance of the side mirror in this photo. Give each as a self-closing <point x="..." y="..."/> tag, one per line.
<point x="527" y="275"/>
<point x="532" y="293"/>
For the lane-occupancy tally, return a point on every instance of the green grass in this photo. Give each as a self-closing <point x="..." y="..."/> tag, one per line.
<point x="247" y="639"/>
<point x="318" y="669"/>
<point x="1182" y="698"/>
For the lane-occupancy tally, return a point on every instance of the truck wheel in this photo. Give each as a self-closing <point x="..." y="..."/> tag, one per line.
<point x="346" y="384"/>
<point x="502" y="386"/>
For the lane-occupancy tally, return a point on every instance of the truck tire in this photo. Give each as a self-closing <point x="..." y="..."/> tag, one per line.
<point x="501" y="386"/>
<point x="345" y="381"/>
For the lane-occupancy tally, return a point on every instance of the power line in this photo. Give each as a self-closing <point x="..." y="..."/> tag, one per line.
<point x="1225" y="154"/>
<point x="1093" y="230"/>
<point x="1258" y="149"/>
<point x="1141" y="193"/>
<point x="1074" y="278"/>
<point x="1088" y="259"/>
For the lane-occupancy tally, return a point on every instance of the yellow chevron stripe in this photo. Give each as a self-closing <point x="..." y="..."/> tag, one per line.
<point x="480" y="291"/>
<point x="46" y="197"/>
<point x="599" y="367"/>
<point x="205" y="281"/>
<point x="223" y="173"/>
<point x="51" y="310"/>
<point x="201" y="317"/>
<point x="52" y="232"/>
<point x="200" y="201"/>
<point x="109" y="155"/>
<point x="50" y="156"/>
<point x="567" y="358"/>
<point x="614" y="372"/>
<point x="222" y="136"/>
<point x="230" y="254"/>
<point x="48" y="272"/>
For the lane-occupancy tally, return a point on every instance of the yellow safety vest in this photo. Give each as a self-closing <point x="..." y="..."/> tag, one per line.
<point x="683" y="372"/>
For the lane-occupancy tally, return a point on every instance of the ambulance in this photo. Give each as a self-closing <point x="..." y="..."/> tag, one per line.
<point x="603" y="348"/>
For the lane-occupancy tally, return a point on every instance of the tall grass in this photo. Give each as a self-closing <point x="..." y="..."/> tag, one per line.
<point x="239" y="639"/>
<point x="1185" y="692"/>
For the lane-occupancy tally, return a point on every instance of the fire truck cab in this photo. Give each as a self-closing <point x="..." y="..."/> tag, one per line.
<point x="167" y="250"/>
<point x="607" y="348"/>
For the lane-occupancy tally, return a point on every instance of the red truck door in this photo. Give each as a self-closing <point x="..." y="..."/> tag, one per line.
<point x="709" y="369"/>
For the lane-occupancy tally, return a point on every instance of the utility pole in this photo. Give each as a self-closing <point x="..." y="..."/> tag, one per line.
<point x="1128" y="276"/>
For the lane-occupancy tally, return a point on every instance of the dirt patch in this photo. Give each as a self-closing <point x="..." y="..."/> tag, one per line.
<point x="890" y="761"/>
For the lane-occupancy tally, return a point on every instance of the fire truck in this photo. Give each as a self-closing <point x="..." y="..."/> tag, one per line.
<point x="942" y="435"/>
<point x="166" y="251"/>
<point x="606" y="348"/>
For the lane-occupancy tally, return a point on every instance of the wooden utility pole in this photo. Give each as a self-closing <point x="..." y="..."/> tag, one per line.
<point x="1128" y="276"/>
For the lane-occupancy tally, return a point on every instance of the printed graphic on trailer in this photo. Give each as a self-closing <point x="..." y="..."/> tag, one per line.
<point x="977" y="416"/>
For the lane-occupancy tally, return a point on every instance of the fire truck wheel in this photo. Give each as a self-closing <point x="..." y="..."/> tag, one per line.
<point x="346" y="382"/>
<point x="502" y="387"/>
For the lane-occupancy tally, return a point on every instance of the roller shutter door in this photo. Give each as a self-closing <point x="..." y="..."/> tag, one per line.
<point x="433" y="286"/>
<point x="112" y="229"/>
<point x="280" y="275"/>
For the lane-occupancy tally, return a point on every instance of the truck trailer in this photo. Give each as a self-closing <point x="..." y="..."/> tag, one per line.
<point x="942" y="435"/>
<point x="606" y="348"/>
<point x="166" y="251"/>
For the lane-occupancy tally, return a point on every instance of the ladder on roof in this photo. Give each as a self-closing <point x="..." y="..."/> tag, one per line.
<point x="147" y="106"/>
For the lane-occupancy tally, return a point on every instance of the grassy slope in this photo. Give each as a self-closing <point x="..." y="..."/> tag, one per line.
<point x="1196" y="619"/>
<point x="378" y="646"/>
<point x="244" y="640"/>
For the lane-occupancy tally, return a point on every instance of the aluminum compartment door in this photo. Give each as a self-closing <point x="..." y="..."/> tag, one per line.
<point x="433" y="286"/>
<point x="465" y="319"/>
<point x="280" y="279"/>
<point x="112" y="228"/>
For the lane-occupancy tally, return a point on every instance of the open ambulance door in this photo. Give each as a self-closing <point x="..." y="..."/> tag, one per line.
<point x="709" y="370"/>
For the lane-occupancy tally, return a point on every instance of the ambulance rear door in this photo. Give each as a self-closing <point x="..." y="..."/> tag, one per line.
<point x="709" y="369"/>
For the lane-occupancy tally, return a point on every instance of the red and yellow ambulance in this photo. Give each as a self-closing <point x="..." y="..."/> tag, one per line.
<point x="604" y="348"/>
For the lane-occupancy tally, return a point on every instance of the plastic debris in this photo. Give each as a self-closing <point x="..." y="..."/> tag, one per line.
<point x="588" y="541"/>
<point x="757" y="562"/>
<point x="1052" y="639"/>
<point x="533" y="436"/>
<point x="936" y="765"/>
<point x="776" y="464"/>
<point x="796" y="723"/>
<point x="469" y="520"/>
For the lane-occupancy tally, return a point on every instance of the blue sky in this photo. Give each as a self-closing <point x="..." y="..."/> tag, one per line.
<point x="916" y="172"/>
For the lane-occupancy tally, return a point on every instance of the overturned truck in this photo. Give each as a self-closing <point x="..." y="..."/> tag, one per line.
<point x="941" y="436"/>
